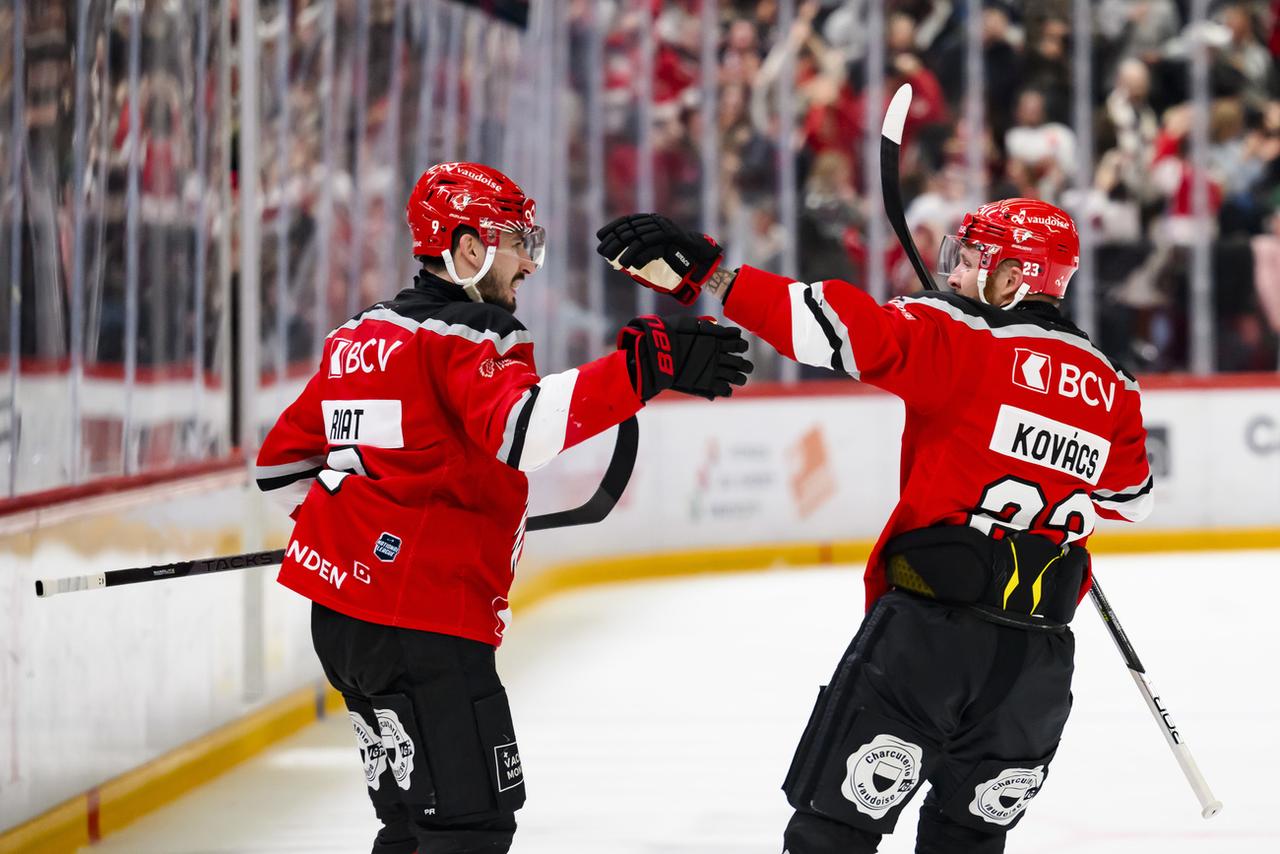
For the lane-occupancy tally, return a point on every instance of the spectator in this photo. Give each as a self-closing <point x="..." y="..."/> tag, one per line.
<point x="1002" y="64"/>
<point x="1228" y="160"/>
<point x="1138" y="28"/>
<point x="829" y="209"/>
<point x="1108" y="205"/>
<point x="1043" y="149"/>
<point x="1172" y="175"/>
<point x="1047" y="67"/>
<point x="845" y="30"/>
<point x="740" y="60"/>
<point x="1247" y="55"/>
<point x="675" y="66"/>
<point x="1129" y="126"/>
<point x="943" y="204"/>
<point x="1255" y="188"/>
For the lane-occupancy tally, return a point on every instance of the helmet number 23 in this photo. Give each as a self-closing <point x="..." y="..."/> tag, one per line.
<point x="1014" y="504"/>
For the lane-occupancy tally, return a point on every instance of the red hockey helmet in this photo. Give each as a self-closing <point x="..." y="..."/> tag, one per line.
<point x="1037" y="234"/>
<point x="450" y="195"/>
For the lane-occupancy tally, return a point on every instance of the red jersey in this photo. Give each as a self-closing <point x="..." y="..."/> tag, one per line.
<point x="410" y="446"/>
<point x="1013" y="419"/>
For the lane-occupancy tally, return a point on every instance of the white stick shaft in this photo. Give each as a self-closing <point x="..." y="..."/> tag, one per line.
<point x="1209" y="805"/>
<point x="53" y="586"/>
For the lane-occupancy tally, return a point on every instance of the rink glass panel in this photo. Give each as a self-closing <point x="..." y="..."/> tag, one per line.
<point x="122" y="239"/>
<point x="114" y="192"/>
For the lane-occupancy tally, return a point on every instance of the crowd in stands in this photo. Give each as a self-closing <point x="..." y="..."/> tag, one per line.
<point x="1139" y="202"/>
<point x="349" y="116"/>
<point x="339" y="212"/>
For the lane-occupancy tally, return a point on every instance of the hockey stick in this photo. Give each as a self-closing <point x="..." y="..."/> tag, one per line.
<point x="47" y="587"/>
<point x="616" y="477"/>
<point x="895" y="118"/>
<point x="890" y="149"/>
<point x="1209" y="805"/>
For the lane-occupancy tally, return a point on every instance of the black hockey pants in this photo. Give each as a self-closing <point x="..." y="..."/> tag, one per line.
<point x="933" y="692"/>
<point x="434" y="731"/>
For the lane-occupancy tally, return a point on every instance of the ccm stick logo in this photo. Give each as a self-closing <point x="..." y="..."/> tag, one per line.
<point x="1163" y="712"/>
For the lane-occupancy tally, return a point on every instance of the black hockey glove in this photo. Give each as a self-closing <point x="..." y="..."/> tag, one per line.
<point x="659" y="254"/>
<point x="693" y="355"/>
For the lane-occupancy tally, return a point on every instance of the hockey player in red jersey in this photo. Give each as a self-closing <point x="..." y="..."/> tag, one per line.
<point x="403" y="462"/>
<point x="1019" y="434"/>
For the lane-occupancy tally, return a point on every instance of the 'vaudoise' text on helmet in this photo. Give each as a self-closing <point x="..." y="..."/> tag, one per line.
<point x="451" y="195"/>
<point x="1038" y="235"/>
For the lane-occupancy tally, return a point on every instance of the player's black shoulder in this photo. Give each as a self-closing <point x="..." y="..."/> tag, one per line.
<point x="481" y="316"/>
<point x="479" y="322"/>
<point x="1034" y="312"/>
<point x="1035" y="318"/>
<point x="434" y="301"/>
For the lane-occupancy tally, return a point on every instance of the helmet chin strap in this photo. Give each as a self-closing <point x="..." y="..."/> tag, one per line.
<point x="1022" y="291"/>
<point x="469" y="284"/>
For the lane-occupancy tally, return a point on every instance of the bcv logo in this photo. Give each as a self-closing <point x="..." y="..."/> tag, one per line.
<point x="1032" y="370"/>
<point x="1035" y="371"/>
<point x="349" y="357"/>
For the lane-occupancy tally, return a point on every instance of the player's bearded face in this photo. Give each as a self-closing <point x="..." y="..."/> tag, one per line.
<point x="511" y="266"/>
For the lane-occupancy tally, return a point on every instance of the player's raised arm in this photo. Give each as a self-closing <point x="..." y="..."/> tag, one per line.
<point x="827" y="324"/>
<point x="492" y="384"/>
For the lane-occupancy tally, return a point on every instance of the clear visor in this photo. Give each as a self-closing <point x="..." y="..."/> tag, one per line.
<point x="533" y="243"/>
<point x="957" y="256"/>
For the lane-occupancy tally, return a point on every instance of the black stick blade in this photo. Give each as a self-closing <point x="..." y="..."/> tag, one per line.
<point x="615" y="480"/>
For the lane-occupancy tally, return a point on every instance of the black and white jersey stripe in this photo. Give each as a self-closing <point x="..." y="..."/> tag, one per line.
<point x="1134" y="503"/>
<point x="288" y="483"/>
<point x="537" y="424"/>
<point x="818" y="335"/>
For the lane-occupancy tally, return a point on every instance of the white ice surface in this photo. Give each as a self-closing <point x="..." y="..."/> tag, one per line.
<point x="661" y="717"/>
